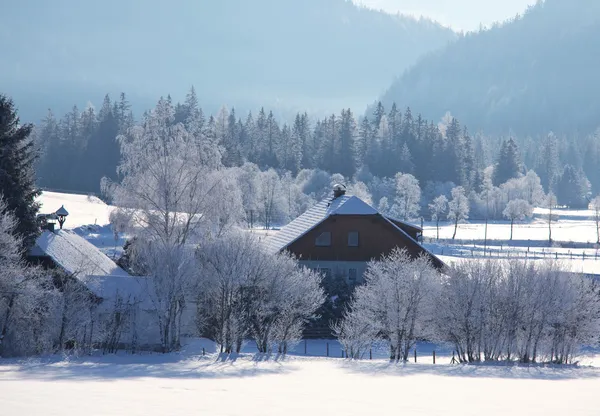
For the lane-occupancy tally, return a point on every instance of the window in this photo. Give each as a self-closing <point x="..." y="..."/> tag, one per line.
<point x="352" y="275"/>
<point x="324" y="240"/>
<point x="353" y="239"/>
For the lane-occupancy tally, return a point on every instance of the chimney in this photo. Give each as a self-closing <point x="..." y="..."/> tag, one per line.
<point x="338" y="190"/>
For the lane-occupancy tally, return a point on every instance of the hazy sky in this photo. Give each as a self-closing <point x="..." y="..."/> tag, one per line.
<point x="458" y="14"/>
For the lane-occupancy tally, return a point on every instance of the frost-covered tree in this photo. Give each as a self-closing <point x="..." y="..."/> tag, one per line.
<point x="517" y="210"/>
<point x="393" y="306"/>
<point x="438" y="209"/>
<point x="595" y="205"/>
<point x="458" y="208"/>
<point x="171" y="193"/>
<point x="530" y="312"/>
<point x="408" y="196"/>
<point x="550" y="203"/>
<point x="272" y="198"/>
<point x="248" y="176"/>
<point x="361" y="190"/>
<point x="28" y="302"/>
<point x="245" y="292"/>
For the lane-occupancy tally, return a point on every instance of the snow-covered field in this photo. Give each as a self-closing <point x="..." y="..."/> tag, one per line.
<point x="83" y="209"/>
<point x="185" y="384"/>
<point x="572" y="226"/>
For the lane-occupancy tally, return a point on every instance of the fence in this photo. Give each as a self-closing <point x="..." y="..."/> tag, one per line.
<point x="423" y="352"/>
<point x="508" y="252"/>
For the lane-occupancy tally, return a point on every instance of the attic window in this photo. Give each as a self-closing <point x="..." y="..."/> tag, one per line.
<point x="323" y="240"/>
<point x="353" y="239"/>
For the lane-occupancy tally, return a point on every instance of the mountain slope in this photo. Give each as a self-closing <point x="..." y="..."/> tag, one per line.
<point x="531" y="75"/>
<point x="315" y="54"/>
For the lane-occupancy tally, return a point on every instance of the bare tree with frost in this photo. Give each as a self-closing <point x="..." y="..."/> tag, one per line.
<point x="515" y="310"/>
<point x="550" y="203"/>
<point x="245" y="292"/>
<point x="393" y="306"/>
<point x="171" y="195"/>
<point x="517" y="210"/>
<point x="408" y="196"/>
<point x="595" y="205"/>
<point x="438" y="209"/>
<point x="28" y="300"/>
<point x="458" y="208"/>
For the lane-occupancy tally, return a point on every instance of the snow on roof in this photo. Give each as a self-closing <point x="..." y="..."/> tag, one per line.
<point x="343" y="205"/>
<point x="131" y="289"/>
<point x="75" y="255"/>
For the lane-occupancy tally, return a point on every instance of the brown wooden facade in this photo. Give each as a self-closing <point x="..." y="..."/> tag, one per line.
<point x="377" y="237"/>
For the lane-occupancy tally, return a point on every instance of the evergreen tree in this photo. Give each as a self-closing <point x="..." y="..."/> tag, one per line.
<point x="103" y="152"/>
<point x="573" y="188"/>
<point x="508" y="165"/>
<point x="17" y="177"/>
<point x="364" y="143"/>
<point x="346" y="159"/>
<point x="47" y="143"/>
<point x="548" y="166"/>
<point x="378" y="115"/>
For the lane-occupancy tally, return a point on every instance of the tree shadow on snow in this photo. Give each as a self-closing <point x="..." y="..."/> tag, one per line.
<point x="499" y="370"/>
<point x="111" y="368"/>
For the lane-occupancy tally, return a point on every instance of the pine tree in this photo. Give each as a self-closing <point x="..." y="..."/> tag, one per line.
<point x="346" y="159"/>
<point x="17" y="177"/>
<point x="103" y="152"/>
<point x="573" y="188"/>
<point x="47" y="143"/>
<point x="508" y="165"/>
<point x="548" y="166"/>
<point x="377" y="116"/>
<point x="364" y="142"/>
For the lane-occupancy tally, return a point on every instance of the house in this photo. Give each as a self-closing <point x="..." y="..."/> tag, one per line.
<point x="116" y="294"/>
<point x="342" y="234"/>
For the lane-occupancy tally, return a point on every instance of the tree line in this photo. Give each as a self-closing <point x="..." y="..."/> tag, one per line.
<point x="80" y="149"/>
<point x="488" y="310"/>
<point x="182" y="206"/>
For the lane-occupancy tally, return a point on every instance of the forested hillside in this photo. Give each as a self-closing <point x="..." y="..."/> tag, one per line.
<point x="534" y="74"/>
<point x="312" y="55"/>
<point x="379" y="156"/>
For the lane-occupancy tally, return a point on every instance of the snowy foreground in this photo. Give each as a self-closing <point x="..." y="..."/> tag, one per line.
<point x="194" y="385"/>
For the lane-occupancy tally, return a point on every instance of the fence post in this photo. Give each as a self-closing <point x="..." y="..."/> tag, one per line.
<point x="203" y="351"/>
<point x="415" y="354"/>
<point x="342" y="353"/>
<point x="434" y="356"/>
<point x="304" y="346"/>
<point x="370" y="353"/>
<point x="328" y="349"/>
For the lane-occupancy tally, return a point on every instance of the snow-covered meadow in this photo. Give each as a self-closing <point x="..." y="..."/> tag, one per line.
<point x="186" y="383"/>
<point x="575" y="226"/>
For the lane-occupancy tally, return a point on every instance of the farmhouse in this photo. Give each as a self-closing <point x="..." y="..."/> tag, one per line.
<point x="342" y="233"/>
<point x="118" y="297"/>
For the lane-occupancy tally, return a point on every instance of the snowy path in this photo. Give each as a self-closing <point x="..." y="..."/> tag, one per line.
<point x="163" y="385"/>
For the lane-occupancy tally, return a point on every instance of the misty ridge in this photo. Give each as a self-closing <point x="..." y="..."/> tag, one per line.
<point x="284" y="85"/>
<point x="312" y="55"/>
